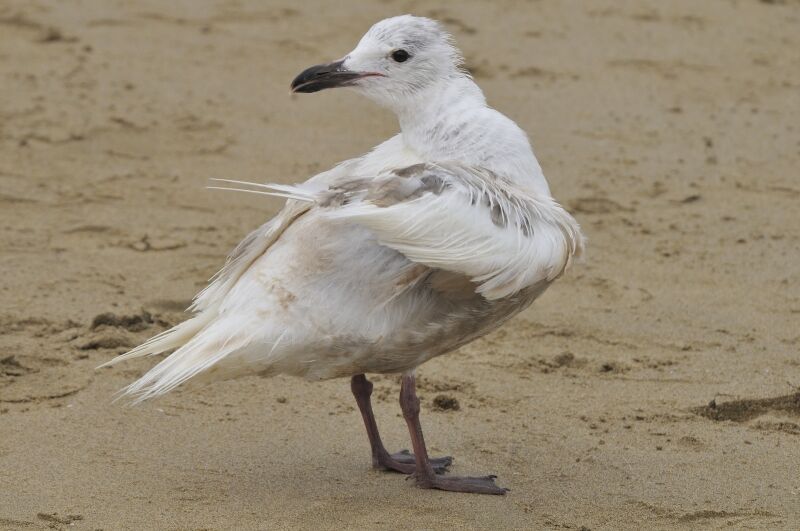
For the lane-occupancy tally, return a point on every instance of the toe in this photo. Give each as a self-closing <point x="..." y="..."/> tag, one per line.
<point x="441" y="464"/>
<point x="403" y="456"/>
<point x="477" y="485"/>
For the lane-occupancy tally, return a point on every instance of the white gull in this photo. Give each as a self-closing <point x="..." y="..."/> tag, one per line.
<point x="434" y="238"/>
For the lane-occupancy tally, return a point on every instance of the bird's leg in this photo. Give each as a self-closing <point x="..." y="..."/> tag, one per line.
<point x="424" y="474"/>
<point x="402" y="461"/>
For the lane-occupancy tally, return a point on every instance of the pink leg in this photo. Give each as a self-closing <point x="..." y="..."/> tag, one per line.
<point x="402" y="461"/>
<point x="424" y="474"/>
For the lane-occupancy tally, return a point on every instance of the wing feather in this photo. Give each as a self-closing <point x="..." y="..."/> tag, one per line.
<point x="464" y="220"/>
<point x="445" y="216"/>
<point x="244" y="254"/>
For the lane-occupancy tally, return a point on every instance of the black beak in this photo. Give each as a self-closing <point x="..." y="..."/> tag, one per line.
<point x="321" y="77"/>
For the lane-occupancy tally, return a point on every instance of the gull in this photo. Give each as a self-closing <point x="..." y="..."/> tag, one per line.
<point x="434" y="238"/>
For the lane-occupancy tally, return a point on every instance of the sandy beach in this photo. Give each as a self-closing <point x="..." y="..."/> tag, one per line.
<point x="657" y="385"/>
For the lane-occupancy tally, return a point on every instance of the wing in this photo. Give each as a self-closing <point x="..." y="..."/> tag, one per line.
<point x="249" y="249"/>
<point x="459" y="219"/>
<point x="259" y="241"/>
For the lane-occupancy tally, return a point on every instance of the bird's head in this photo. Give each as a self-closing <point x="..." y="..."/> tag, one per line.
<point x="397" y="59"/>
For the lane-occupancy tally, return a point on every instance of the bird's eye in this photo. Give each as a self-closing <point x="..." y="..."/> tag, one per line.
<point x="400" y="56"/>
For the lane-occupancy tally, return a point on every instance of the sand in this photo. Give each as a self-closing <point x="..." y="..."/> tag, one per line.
<point x="655" y="386"/>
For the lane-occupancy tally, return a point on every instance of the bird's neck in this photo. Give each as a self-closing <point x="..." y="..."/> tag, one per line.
<point x="437" y="112"/>
<point x="451" y="122"/>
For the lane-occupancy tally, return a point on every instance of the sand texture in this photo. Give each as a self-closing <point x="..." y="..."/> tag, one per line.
<point x="655" y="386"/>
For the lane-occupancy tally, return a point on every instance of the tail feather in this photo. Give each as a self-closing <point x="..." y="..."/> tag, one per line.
<point x="208" y="337"/>
<point x="169" y="339"/>
<point x="200" y="353"/>
<point x="201" y="342"/>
